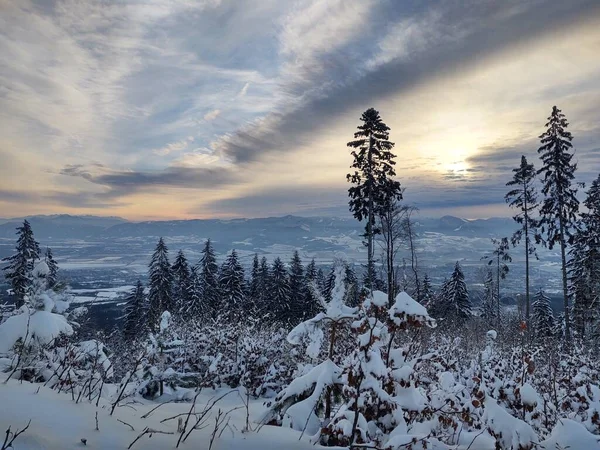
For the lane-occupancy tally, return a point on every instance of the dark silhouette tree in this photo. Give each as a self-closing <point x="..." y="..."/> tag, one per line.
<point x="373" y="187"/>
<point x="560" y="205"/>
<point x="135" y="309"/>
<point x="160" y="285"/>
<point x="21" y="263"/>
<point x="523" y="198"/>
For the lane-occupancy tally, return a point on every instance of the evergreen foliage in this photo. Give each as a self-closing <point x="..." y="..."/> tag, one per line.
<point x="523" y="198"/>
<point x="542" y="316"/>
<point x="560" y="205"/>
<point x="374" y="188"/>
<point x="134" y="325"/>
<point x="208" y="272"/>
<point x="18" y="272"/>
<point x="160" y="284"/>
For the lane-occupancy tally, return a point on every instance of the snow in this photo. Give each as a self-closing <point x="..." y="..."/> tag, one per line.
<point x="528" y="395"/>
<point x="40" y="327"/>
<point x="569" y="434"/>
<point x="405" y="307"/>
<point x="58" y="423"/>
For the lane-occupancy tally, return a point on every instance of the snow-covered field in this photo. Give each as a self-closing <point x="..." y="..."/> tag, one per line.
<point x="57" y="422"/>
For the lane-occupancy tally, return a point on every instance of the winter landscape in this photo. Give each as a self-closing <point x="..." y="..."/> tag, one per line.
<point x="292" y="225"/>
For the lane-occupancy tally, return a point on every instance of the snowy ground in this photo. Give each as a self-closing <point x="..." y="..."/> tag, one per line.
<point x="59" y="423"/>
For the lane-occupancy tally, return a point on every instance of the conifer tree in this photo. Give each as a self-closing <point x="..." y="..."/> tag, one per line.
<point x="584" y="265"/>
<point x="499" y="259"/>
<point x="321" y="282"/>
<point x="18" y="272"/>
<point x="254" y="289"/>
<point x="455" y="304"/>
<point x="195" y="308"/>
<point x="182" y="281"/>
<point x="51" y="278"/>
<point x="427" y="293"/>
<point x="279" y="292"/>
<point x="135" y="309"/>
<point x="560" y="205"/>
<point x="373" y="187"/>
<point x="329" y="283"/>
<point x="209" y="280"/>
<point x="351" y="283"/>
<point x="297" y="290"/>
<point x="310" y="283"/>
<point x="524" y="199"/>
<point x="264" y="282"/>
<point x="160" y="284"/>
<point x="489" y="312"/>
<point x="543" y="316"/>
<point x="231" y="286"/>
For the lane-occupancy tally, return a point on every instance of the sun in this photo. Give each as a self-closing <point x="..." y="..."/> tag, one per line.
<point x="457" y="167"/>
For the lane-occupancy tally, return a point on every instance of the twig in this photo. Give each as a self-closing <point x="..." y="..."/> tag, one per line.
<point x="8" y="439"/>
<point x="124" y="423"/>
<point x="155" y="408"/>
<point x="97" y="429"/>
<point x="149" y="431"/>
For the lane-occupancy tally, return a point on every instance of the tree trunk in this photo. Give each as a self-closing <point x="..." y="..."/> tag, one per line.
<point x="563" y="256"/>
<point x="328" y="392"/>
<point x="498" y="287"/>
<point x="370" y="218"/>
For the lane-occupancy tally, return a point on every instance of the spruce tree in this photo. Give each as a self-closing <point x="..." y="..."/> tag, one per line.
<point x="18" y="272"/>
<point x="374" y="188"/>
<point x="455" y="304"/>
<point x="310" y="282"/>
<point x="584" y="264"/>
<point x="52" y="276"/>
<point x="297" y="290"/>
<point x="195" y="309"/>
<point x="542" y="316"/>
<point x="231" y="287"/>
<point x="264" y="282"/>
<point x="427" y="293"/>
<point x="254" y="288"/>
<point x="321" y="282"/>
<point x="524" y="199"/>
<point x="279" y="292"/>
<point x="560" y="205"/>
<point x="160" y="284"/>
<point x="135" y="309"/>
<point x="209" y="279"/>
<point x="182" y="281"/>
<point x="329" y="283"/>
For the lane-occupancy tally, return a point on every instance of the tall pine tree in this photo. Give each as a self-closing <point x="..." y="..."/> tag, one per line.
<point x="160" y="283"/>
<point x="208" y="271"/>
<point x="542" y="316"/>
<point x="584" y="265"/>
<point x="523" y="197"/>
<point x="18" y="272"/>
<point x="279" y="292"/>
<point x="135" y="309"/>
<point x="454" y="303"/>
<point x="499" y="259"/>
<point x="182" y="282"/>
<point x="231" y="287"/>
<point x="560" y="205"/>
<point x="374" y="187"/>
<point x="297" y="290"/>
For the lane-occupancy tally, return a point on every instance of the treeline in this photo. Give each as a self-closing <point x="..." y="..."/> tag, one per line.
<point x="270" y="292"/>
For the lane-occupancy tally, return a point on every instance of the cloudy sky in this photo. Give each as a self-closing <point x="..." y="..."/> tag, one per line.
<point x="157" y="109"/>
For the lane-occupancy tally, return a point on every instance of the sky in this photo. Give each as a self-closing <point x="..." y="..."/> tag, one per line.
<point x="177" y="109"/>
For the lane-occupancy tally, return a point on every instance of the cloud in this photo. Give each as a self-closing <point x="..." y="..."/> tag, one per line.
<point x="212" y="115"/>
